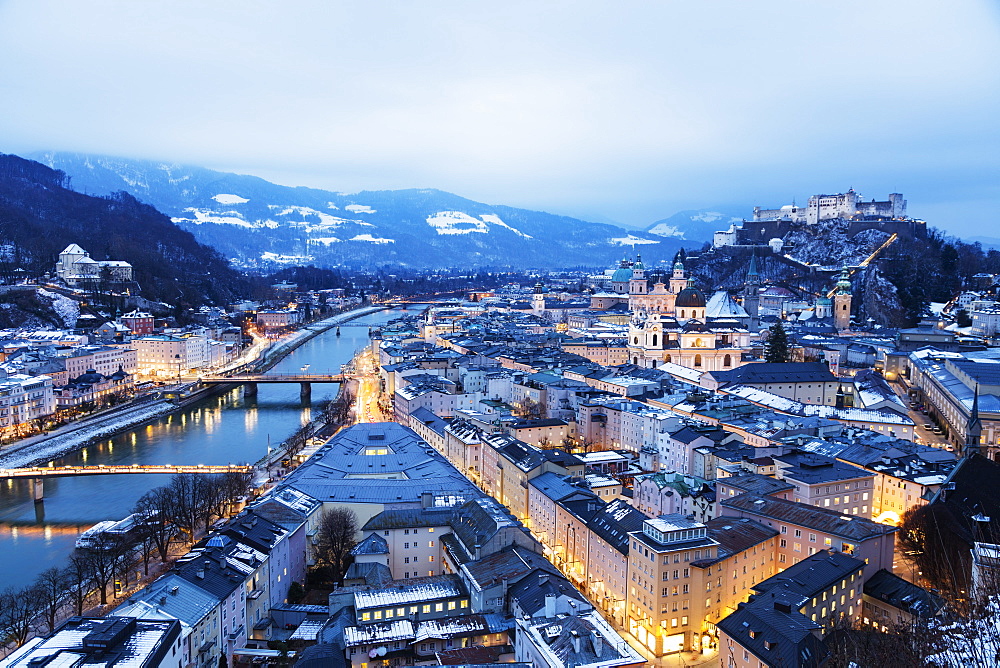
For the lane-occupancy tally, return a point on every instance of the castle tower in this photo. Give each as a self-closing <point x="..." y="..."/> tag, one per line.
<point x="842" y="302"/>
<point x="973" y="428"/>
<point x="751" y="294"/>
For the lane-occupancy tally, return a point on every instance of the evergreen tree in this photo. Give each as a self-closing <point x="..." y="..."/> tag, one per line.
<point x="776" y="349"/>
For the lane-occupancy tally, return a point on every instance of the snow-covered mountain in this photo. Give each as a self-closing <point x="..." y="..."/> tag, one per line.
<point x="262" y="224"/>
<point x="696" y="225"/>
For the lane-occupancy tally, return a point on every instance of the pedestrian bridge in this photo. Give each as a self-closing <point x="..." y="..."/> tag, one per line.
<point x="37" y="474"/>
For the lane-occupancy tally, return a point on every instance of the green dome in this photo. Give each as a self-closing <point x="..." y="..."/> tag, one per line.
<point x="621" y="275"/>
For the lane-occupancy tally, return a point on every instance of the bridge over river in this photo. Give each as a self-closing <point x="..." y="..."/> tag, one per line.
<point x="37" y="474"/>
<point x="249" y="381"/>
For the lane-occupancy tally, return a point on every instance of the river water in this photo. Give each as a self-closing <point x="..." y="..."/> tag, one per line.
<point x="219" y="430"/>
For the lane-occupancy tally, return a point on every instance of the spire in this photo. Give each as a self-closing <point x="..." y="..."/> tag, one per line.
<point x="753" y="275"/>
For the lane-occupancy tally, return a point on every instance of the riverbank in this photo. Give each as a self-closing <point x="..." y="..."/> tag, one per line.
<point x="38" y="450"/>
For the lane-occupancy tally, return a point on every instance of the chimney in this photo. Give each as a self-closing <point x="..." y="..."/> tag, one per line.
<point x="598" y="645"/>
<point x="576" y="641"/>
<point x="572" y="608"/>
<point x="550" y="605"/>
<point x="200" y="574"/>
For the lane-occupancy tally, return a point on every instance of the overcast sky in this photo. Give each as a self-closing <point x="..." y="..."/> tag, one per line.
<point x="620" y="111"/>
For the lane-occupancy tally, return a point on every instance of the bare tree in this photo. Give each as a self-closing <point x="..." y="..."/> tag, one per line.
<point x="52" y="586"/>
<point x="529" y="409"/>
<point x="106" y="564"/>
<point x="185" y="499"/>
<point x="157" y="509"/>
<point x="18" y="609"/>
<point x="144" y="543"/>
<point x="928" y="537"/>
<point x="79" y="579"/>
<point x="335" y="539"/>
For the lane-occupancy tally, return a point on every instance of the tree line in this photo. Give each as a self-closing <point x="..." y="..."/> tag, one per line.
<point x="169" y="515"/>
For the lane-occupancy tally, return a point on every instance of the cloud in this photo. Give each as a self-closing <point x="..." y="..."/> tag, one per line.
<point x="630" y="110"/>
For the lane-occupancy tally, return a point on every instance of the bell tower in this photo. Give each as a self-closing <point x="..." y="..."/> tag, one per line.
<point x="842" y="302"/>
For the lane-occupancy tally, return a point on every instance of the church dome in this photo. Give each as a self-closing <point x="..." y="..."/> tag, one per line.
<point x="621" y="275"/>
<point x="690" y="297"/>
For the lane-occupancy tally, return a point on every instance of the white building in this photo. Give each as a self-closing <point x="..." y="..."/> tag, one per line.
<point x="23" y="399"/>
<point x="76" y="268"/>
<point x="171" y="356"/>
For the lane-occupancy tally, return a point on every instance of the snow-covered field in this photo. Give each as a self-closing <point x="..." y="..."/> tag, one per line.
<point x="223" y="198"/>
<point x="631" y="240"/>
<point x="457" y="222"/>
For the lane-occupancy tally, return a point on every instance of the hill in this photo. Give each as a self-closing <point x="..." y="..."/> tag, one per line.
<point x="40" y="216"/>
<point x="263" y="225"/>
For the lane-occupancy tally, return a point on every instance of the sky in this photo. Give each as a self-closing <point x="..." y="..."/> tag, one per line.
<point x="611" y="111"/>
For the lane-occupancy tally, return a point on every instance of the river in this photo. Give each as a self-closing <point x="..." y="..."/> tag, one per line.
<point x="218" y="430"/>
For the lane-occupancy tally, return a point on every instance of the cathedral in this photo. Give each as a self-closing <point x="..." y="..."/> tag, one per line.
<point x="673" y="322"/>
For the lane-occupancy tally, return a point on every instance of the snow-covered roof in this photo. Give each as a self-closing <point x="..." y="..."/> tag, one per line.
<point x="438" y="588"/>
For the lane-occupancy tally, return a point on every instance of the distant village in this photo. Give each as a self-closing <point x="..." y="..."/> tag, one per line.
<point x="593" y="470"/>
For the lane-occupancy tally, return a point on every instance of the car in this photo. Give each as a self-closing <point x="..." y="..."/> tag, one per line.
<point x="928" y="425"/>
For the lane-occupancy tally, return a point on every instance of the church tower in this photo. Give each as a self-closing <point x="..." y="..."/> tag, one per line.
<point x="637" y="284"/>
<point x="842" y="302"/>
<point x="677" y="280"/>
<point x="751" y="295"/>
<point x="973" y="428"/>
<point x="538" y="299"/>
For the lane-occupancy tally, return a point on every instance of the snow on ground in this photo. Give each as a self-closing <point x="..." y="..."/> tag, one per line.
<point x="285" y="259"/>
<point x="326" y="241"/>
<point x="223" y="198"/>
<point x="331" y="205"/>
<point x="631" y="240"/>
<point x="64" y="443"/>
<point x="67" y="309"/>
<point x="359" y="208"/>
<point x="708" y="216"/>
<point x="456" y="222"/>
<point x="937" y="307"/>
<point x="664" y="230"/>
<point x="495" y="220"/>
<point x="326" y="221"/>
<point x="375" y="240"/>
<point x="219" y="218"/>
